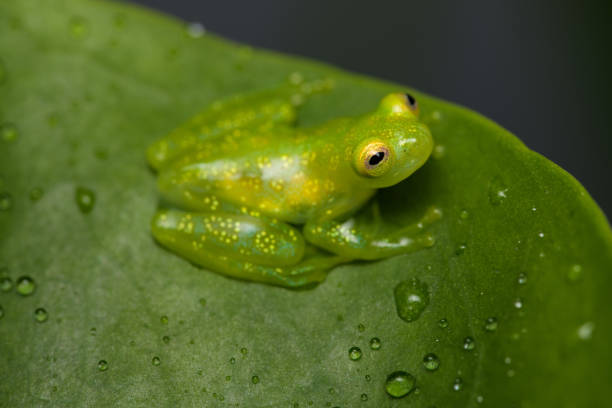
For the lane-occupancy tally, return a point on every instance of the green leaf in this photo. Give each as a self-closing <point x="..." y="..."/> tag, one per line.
<point x="86" y="86"/>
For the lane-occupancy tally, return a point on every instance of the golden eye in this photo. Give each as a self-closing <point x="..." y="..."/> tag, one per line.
<point x="411" y="103"/>
<point x="374" y="159"/>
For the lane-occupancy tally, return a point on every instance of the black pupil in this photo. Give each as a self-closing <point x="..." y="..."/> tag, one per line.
<point x="376" y="158"/>
<point x="411" y="99"/>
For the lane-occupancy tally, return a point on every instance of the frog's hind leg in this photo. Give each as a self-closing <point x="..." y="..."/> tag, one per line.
<point x="252" y="248"/>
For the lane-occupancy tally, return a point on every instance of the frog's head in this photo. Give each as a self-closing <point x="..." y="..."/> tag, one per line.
<point x="391" y="142"/>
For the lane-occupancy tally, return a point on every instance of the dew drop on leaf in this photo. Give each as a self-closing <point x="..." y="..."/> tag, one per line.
<point x="361" y="327"/>
<point x="469" y="344"/>
<point x="431" y="362"/>
<point x="399" y="384"/>
<point x="155" y="361"/>
<point x="8" y="132"/>
<point x="585" y="332"/>
<point x="163" y="319"/>
<point x="255" y="379"/>
<point x="354" y="353"/>
<point x="102" y="365"/>
<point x="497" y="191"/>
<point x="36" y="194"/>
<point x="518" y="303"/>
<point x="522" y="278"/>
<point x="574" y="274"/>
<point x="443" y="323"/>
<point x="464" y="215"/>
<point x="6" y="201"/>
<point x="85" y="199"/>
<point x="364" y="397"/>
<point x="6" y="283"/>
<point x="78" y="27"/>
<point x="41" y="315"/>
<point x="411" y="299"/>
<point x="458" y="384"/>
<point x="166" y="339"/>
<point x="375" y="343"/>
<point x="25" y="286"/>
<point x="195" y="30"/>
<point x="490" y="324"/>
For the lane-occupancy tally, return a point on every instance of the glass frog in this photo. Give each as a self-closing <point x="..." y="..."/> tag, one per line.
<point x="263" y="200"/>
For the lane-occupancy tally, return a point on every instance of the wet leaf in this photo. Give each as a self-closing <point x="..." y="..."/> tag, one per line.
<point x="521" y="266"/>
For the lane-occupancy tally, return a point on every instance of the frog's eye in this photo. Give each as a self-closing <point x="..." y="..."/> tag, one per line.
<point x="373" y="159"/>
<point x="411" y="103"/>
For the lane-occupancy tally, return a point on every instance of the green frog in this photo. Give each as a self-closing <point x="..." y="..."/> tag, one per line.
<point x="263" y="200"/>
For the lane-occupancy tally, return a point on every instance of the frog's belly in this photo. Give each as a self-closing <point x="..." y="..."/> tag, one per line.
<point x="294" y="201"/>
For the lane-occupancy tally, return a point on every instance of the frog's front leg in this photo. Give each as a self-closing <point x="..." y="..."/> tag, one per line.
<point x="248" y="247"/>
<point x="358" y="238"/>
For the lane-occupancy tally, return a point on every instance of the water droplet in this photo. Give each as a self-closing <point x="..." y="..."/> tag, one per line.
<point x="155" y="361"/>
<point x="469" y="343"/>
<point x="354" y="353"/>
<point x="511" y="373"/>
<point x="585" y="332"/>
<point x="438" y="152"/>
<point x="364" y="397"/>
<point x="6" y="201"/>
<point x="574" y="274"/>
<point x="202" y="302"/>
<point x="228" y="378"/>
<point x="518" y="303"/>
<point x="375" y="343"/>
<point x="361" y="327"/>
<point x="458" y="384"/>
<point x="92" y="331"/>
<point x="540" y="235"/>
<point x="85" y="199"/>
<point x="195" y="30"/>
<point x="3" y="74"/>
<point x="244" y="351"/>
<point x="479" y="399"/>
<point x="331" y="390"/>
<point x="490" y="324"/>
<point x="431" y="362"/>
<point x="6" y="283"/>
<point x="411" y="298"/>
<point x="460" y="249"/>
<point x="8" y="132"/>
<point x="102" y="365"/>
<point x="255" y="379"/>
<point x="232" y="360"/>
<point x="368" y="377"/>
<point x="399" y="384"/>
<point x="464" y="215"/>
<point x="25" y="286"/>
<point x="522" y="278"/>
<point x="296" y="78"/>
<point x="443" y="323"/>
<point x="1" y="312"/>
<point x="78" y="27"/>
<point x="164" y="319"/>
<point x="166" y="339"/>
<point x="41" y="315"/>
<point x="36" y="194"/>
<point x="507" y="360"/>
<point x="497" y="191"/>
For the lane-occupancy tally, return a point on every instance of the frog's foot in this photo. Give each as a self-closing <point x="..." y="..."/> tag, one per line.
<point x="242" y="246"/>
<point x="354" y="238"/>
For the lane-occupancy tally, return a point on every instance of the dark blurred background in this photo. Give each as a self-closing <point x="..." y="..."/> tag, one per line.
<point x="541" y="69"/>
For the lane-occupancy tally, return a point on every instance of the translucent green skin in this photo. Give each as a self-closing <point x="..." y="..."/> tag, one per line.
<point x="247" y="180"/>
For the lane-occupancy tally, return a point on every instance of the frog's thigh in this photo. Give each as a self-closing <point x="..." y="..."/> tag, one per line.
<point x="242" y="246"/>
<point x="239" y="236"/>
